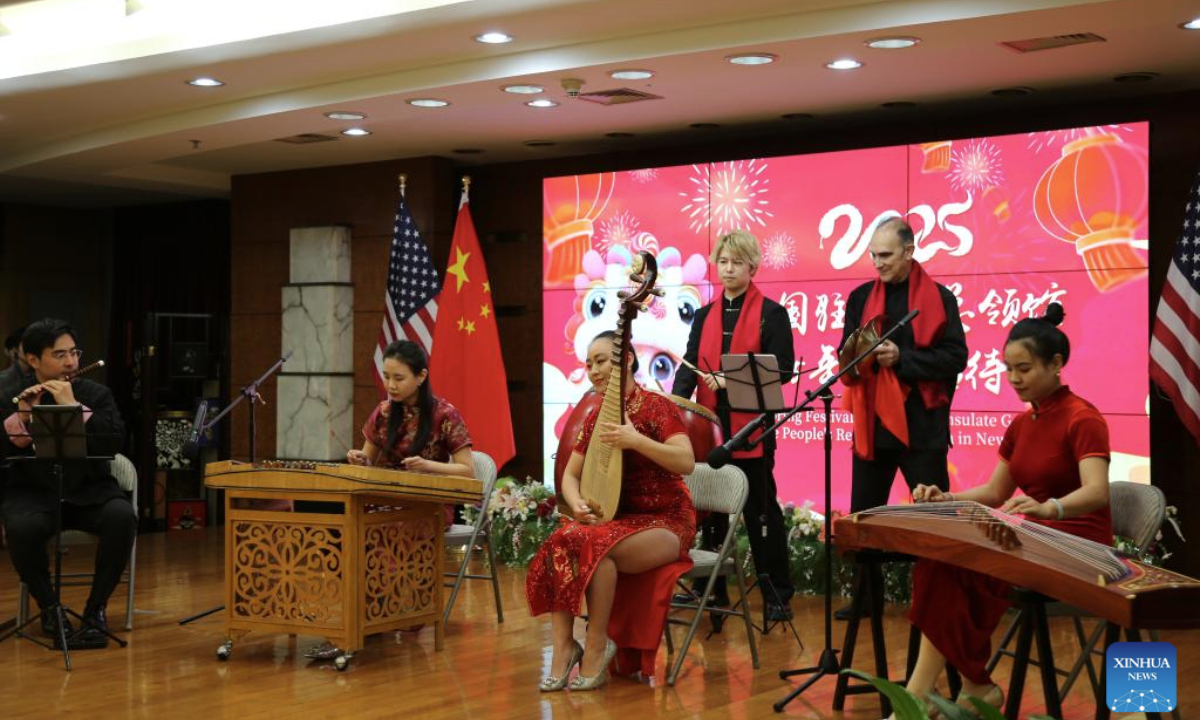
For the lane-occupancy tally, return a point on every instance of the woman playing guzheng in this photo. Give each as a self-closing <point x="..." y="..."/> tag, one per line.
<point x="1056" y="453"/>
<point x="411" y="430"/>
<point x="627" y="566"/>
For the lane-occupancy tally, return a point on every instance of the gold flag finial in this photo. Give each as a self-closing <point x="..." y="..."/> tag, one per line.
<point x="466" y="182"/>
<point x="403" y="177"/>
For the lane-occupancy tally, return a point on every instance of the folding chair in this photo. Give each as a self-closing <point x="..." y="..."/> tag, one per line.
<point x="722" y="491"/>
<point x="471" y="537"/>
<point x="126" y="475"/>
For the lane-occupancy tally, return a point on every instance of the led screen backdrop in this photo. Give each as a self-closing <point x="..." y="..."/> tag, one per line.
<point x="1008" y="223"/>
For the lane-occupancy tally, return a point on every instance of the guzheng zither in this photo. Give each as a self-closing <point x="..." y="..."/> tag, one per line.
<point x="351" y="551"/>
<point x="1085" y="574"/>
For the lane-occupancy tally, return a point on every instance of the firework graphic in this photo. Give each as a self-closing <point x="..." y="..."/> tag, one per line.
<point x="778" y="252"/>
<point x="731" y="194"/>
<point x="644" y="176"/>
<point x="976" y="167"/>
<point x="618" y="230"/>
<point x="1039" y="141"/>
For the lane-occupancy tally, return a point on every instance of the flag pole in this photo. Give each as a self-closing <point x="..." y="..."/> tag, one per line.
<point x="403" y="182"/>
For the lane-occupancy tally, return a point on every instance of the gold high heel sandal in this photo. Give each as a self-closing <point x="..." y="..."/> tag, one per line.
<point x="993" y="697"/>
<point x="554" y="684"/>
<point x="601" y="678"/>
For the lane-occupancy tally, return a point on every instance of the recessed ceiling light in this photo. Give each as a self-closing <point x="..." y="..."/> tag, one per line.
<point x="752" y="59"/>
<point x="1013" y="91"/>
<point x="797" y="116"/>
<point x="631" y="74"/>
<point x="1191" y="25"/>
<point x="1135" y="77"/>
<point x="843" y="64"/>
<point x="523" y="89"/>
<point x="539" y="143"/>
<point x="542" y="103"/>
<point x="345" y="115"/>
<point x="494" y="38"/>
<point x="428" y="102"/>
<point x="892" y="43"/>
<point x="619" y="135"/>
<point x="356" y="132"/>
<point x="468" y="151"/>
<point x="898" y="105"/>
<point x="205" y="81"/>
<point x="704" y="126"/>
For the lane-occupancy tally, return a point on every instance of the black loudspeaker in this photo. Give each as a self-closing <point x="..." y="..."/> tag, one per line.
<point x="189" y="360"/>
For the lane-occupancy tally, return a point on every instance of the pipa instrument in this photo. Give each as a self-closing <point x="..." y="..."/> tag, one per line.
<point x="600" y="481"/>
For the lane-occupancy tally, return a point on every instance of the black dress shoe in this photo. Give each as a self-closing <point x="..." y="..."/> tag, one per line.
<point x="843" y="613"/>
<point x="92" y="635"/>
<point x="778" y="613"/>
<point x="50" y="624"/>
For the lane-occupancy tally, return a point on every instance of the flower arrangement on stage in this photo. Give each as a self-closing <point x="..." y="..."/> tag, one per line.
<point x="1158" y="552"/>
<point x="523" y="514"/>
<point x="806" y="553"/>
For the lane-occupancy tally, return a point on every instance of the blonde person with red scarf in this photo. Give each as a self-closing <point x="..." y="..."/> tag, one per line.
<point x="901" y="401"/>
<point x="743" y="321"/>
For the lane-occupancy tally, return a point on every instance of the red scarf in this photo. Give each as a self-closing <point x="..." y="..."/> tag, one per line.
<point x="878" y="392"/>
<point x="747" y="338"/>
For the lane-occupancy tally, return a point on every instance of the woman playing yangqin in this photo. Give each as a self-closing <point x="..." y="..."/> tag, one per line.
<point x="1057" y="454"/>
<point x="626" y="566"/>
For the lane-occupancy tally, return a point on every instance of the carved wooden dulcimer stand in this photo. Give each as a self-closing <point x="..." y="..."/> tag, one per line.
<point x="367" y="558"/>
<point x="600" y="483"/>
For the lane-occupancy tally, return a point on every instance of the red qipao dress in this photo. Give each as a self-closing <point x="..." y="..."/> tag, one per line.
<point x="448" y="435"/>
<point x="959" y="609"/>
<point x="651" y="497"/>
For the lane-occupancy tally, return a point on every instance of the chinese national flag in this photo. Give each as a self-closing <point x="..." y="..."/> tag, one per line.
<point x="466" y="366"/>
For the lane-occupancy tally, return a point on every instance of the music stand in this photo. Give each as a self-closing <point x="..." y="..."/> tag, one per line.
<point x="753" y="385"/>
<point x="59" y="437"/>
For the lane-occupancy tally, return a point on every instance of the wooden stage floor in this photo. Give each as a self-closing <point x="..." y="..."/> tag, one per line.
<point x="486" y="671"/>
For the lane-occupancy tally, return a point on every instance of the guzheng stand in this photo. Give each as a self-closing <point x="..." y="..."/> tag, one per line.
<point x="373" y="567"/>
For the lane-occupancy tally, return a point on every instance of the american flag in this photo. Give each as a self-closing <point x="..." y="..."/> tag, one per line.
<point x="412" y="286"/>
<point x="1175" y="345"/>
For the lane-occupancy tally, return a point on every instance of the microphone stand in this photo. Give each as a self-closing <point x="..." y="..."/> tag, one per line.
<point x="828" y="663"/>
<point x="250" y="392"/>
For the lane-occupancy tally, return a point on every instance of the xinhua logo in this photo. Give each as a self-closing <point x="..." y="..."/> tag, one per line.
<point x="1141" y="677"/>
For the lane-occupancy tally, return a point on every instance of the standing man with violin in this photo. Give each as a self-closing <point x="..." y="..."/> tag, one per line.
<point x="901" y="396"/>
<point x="743" y="321"/>
<point x="92" y="500"/>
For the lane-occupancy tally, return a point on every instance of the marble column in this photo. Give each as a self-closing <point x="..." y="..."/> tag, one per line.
<point x="316" y="386"/>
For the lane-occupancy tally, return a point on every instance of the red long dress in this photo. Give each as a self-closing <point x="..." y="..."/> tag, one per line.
<point x="959" y="609"/>
<point x="651" y="497"/>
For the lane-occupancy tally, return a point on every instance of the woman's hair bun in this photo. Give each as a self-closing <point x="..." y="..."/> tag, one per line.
<point x="1054" y="314"/>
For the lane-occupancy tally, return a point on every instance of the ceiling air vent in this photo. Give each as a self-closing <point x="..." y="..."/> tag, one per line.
<point x="306" y="139"/>
<point x="1049" y="43"/>
<point x="618" y="96"/>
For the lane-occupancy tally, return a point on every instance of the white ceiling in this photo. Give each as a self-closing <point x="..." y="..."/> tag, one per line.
<point x="122" y="131"/>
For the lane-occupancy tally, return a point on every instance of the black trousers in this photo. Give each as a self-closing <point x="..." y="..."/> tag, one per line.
<point x="762" y="510"/>
<point x="872" y="479"/>
<point x="114" y="522"/>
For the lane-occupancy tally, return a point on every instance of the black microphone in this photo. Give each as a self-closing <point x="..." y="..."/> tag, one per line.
<point x="720" y="456"/>
<point x="191" y="448"/>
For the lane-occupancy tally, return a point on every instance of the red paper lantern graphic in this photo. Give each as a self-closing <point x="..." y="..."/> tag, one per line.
<point x="571" y="206"/>
<point x="1095" y="196"/>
